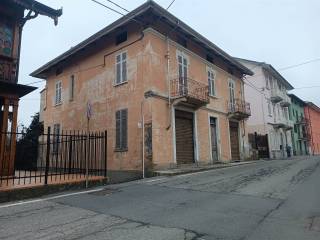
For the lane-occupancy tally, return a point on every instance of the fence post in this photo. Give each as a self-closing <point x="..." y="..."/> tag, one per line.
<point x="105" y="153"/>
<point x="47" y="157"/>
<point x="70" y="154"/>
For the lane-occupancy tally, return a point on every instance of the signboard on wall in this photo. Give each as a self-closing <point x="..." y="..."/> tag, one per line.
<point x="6" y="38"/>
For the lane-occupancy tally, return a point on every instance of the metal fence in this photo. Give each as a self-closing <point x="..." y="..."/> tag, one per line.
<point x="51" y="158"/>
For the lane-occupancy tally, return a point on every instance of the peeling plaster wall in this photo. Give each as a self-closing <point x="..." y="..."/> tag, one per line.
<point x="146" y="71"/>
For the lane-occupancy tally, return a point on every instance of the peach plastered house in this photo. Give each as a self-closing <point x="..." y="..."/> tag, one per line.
<point x="163" y="92"/>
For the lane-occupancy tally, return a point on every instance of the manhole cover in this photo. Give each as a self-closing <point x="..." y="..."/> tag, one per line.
<point x="105" y="192"/>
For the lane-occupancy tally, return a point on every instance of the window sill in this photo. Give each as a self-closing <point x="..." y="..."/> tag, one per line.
<point x="213" y="96"/>
<point x="121" y="150"/>
<point x="119" y="84"/>
<point x="58" y="104"/>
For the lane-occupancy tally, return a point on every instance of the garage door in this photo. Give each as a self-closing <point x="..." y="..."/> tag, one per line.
<point x="234" y="137"/>
<point x="184" y="137"/>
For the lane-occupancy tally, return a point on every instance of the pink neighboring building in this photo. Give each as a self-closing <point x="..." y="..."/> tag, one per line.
<point x="312" y="113"/>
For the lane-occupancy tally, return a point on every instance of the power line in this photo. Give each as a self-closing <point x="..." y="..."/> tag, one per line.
<point x="32" y="83"/>
<point x="118" y="5"/>
<point x="170" y="4"/>
<point x="299" y="64"/>
<point x="99" y="3"/>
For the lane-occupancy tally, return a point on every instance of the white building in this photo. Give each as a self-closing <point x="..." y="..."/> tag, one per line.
<point x="267" y="90"/>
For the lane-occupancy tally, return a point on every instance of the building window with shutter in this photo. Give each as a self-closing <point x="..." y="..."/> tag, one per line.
<point x="58" y="99"/>
<point x="211" y="82"/>
<point x="71" y="88"/>
<point x="269" y="108"/>
<point x="56" y="138"/>
<point x="122" y="130"/>
<point x="121" y="68"/>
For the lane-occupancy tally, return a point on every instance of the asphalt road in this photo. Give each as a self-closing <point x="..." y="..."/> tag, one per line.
<point x="265" y="200"/>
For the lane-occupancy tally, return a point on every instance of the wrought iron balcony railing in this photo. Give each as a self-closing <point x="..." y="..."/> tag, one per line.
<point x="239" y="109"/>
<point x="8" y="71"/>
<point x="302" y="121"/>
<point x="195" y="92"/>
<point x="276" y="95"/>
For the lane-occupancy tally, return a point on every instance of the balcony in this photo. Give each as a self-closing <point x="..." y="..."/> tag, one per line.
<point x="190" y="91"/>
<point x="239" y="109"/>
<point x="8" y="71"/>
<point x="302" y="121"/>
<point x="304" y="136"/>
<point x="276" y="95"/>
<point x="286" y="101"/>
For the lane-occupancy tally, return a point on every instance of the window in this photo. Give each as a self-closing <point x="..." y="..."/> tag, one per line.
<point x="122" y="130"/>
<point x="58" y="99"/>
<point x="269" y="108"/>
<point x="121" y="37"/>
<point x="211" y="82"/>
<point x="182" y="41"/>
<point x="183" y="66"/>
<point x="121" y="68"/>
<point x="232" y="99"/>
<point x="56" y="137"/>
<point x="71" y="87"/>
<point x="209" y="58"/>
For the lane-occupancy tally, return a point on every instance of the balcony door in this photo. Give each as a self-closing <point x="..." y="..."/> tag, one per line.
<point x="214" y="139"/>
<point x="232" y="99"/>
<point x="183" y="74"/>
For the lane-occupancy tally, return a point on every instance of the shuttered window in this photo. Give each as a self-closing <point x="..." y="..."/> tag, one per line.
<point x="56" y="137"/>
<point x="71" y="88"/>
<point x="58" y="93"/>
<point x="122" y="130"/>
<point x="121" y="68"/>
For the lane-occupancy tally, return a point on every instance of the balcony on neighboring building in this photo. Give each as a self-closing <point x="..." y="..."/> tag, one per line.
<point x="189" y="91"/>
<point x="239" y="109"/>
<point x="286" y="101"/>
<point x="302" y="121"/>
<point x="276" y="95"/>
<point x="8" y="71"/>
<point x="304" y="135"/>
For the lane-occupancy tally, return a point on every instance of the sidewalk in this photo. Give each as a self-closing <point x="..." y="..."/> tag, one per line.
<point x="196" y="168"/>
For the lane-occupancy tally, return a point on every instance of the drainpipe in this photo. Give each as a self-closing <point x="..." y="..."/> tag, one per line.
<point x="143" y="143"/>
<point x="168" y="81"/>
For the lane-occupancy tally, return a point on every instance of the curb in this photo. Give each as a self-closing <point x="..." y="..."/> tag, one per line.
<point x="204" y="169"/>
<point x="39" y="191"/>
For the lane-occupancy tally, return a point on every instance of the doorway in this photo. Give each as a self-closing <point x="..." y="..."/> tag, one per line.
<point x="214" y="139"/>
<point x="184" y="137"/>
<point x="234" y="140"/>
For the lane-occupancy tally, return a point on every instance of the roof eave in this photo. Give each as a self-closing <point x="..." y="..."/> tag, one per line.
<point x="40" y="73"/>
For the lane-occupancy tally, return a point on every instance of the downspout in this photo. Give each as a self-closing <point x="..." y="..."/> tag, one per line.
<point x="168" y="82"/>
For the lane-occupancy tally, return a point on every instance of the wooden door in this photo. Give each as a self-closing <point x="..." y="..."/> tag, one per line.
<point x="234" y="139"/>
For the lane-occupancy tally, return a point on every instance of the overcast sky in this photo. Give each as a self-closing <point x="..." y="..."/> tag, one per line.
<point x="279" y="32"/>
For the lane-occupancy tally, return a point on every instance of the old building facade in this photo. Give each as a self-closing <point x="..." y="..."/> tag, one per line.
<point x="266" y="91"/>
<point x="163" y="92"/>
<point x="312" y="114"/>
<point x="300" y="132"/>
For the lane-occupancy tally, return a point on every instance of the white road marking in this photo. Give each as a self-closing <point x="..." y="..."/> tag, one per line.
<point x="49" y="198"/>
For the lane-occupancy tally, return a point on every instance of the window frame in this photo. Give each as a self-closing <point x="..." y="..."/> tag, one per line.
<point x="71" y="87"/>
<point x="56" y="137"/>
<point x="122" y="130"/>
<point x="58" y="93"/>
<point x="211" y="75"/>
<point x="121" y="64"/>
